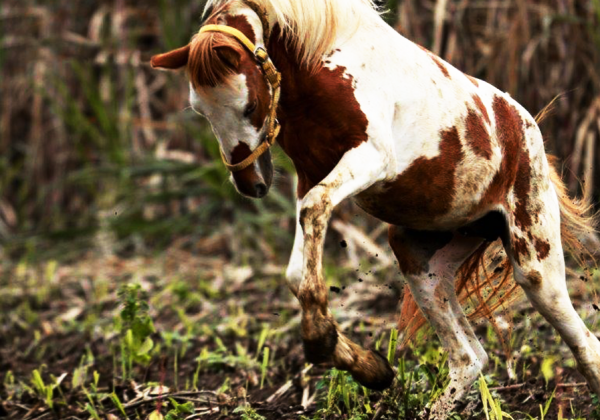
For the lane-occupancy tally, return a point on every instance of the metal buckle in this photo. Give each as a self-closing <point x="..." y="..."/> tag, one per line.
<point x="258" y="58"/>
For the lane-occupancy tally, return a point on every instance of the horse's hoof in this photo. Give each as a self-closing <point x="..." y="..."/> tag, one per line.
<point x="373" y="371"/>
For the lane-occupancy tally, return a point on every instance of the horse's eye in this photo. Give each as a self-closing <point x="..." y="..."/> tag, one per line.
<point x="250" y="108"/>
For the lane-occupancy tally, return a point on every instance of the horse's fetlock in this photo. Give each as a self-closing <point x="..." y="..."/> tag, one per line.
<point x="319" y="337"/>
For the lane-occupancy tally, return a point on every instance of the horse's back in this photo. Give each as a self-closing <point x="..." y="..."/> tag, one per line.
<point x="460" y="145"/>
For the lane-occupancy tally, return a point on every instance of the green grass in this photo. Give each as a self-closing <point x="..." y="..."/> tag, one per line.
<point x="223" y="345"/>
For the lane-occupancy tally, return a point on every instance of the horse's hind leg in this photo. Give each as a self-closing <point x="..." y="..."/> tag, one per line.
<point x="537" y="257"/>
<point x="429" y="261"/>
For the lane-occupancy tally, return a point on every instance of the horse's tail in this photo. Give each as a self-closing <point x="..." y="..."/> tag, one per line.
<point x="577" y="219"/>
<point x="484" y="282"/>
<point x="484" y="285"/>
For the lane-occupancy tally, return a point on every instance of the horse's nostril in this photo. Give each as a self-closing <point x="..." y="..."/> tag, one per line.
<point x="261" y="189"/>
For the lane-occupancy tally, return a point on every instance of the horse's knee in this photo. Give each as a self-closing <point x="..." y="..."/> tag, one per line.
<point x="315" y="210"/>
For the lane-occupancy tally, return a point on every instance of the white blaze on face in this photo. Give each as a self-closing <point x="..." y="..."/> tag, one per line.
<point x="224" y="107"/>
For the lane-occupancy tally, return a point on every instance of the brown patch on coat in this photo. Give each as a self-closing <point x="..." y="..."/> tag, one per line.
<point x="413" y="249"/>
<point x="422" y="192"/>
<point x="522" y="191"/>
<point x="472" y="80"/>
<point x="477" y="135"/>
<point x="258" y="94"/>
<point x="319" y="114"/>
<point x="258" y="90"/>
<point x="216" y="56"/>
<point x="509" y="132"/>
<point x="534" y="278"/>
<point x="542" y="248"/>
<point x="520" y="248"/>
<point x="440" y="64"/>
<point x="481" y="107"/>
<point x="240" y="22"/>
<point x="437" y="61"/>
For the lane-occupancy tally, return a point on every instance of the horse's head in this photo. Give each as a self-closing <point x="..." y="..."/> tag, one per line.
<point x="228" y="86"/>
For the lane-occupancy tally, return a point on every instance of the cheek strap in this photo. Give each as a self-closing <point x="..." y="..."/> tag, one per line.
<point x="273" y="78"/>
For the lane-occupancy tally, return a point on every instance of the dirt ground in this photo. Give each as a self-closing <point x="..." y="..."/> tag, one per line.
<point x="211" y="323"/>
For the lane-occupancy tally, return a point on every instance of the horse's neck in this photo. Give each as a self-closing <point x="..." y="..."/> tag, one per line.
<point x="320" y="116"/>
<point x="284" y="58"/>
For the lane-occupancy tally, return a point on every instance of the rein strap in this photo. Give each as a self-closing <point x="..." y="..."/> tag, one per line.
<point x="272" y="76"/>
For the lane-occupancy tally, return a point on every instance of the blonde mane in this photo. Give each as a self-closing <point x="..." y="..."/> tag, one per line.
<point x="312" y="26"/>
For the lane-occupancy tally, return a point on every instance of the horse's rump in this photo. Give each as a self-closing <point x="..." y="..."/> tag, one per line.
<point x="484" y="283"/>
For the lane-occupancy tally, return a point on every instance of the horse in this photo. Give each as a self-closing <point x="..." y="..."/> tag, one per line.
<point x="450" y="162"/>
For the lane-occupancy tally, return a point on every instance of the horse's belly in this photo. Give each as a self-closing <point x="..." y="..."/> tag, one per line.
<point x="430" y="198"/>
<point x="417" y="210"/>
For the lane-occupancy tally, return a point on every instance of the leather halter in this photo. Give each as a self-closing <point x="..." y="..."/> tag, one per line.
<point x="272" y="76"/>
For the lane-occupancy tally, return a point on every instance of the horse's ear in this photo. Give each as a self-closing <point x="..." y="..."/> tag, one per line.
<point x="171" y="60"/>
<point x="229" y="55"/>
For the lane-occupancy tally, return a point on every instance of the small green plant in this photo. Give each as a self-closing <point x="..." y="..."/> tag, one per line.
<point x="10" y="383"/>
<point x="391" y="356"/>
<point x="263" y="367"/>
<point x="45" y="392"/>
<point x="544" y="410"/>
<point x="547" y="368"/>
<point x="117" y="402"/>
<point x="135" y="326"/>
<point x="248" y="413"/>
<point x="491" y="406"/>
<point x="343" y="396"/>
<point x="80" y="373"/>
<point x="179" y="411"/>
<point x="92" y="411"/>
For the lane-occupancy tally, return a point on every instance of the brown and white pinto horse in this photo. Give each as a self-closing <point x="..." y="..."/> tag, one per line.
<point x="450" y="162"/>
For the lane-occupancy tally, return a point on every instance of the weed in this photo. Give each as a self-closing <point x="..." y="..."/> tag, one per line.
<point x="117" y="402"/>
<point x="247" y="413"/>
<point x="491" y="406"/>
<point x="43" y="390"/>
<point x="179" y="411"/>
<point x="135" y="326"/>
<point x="264" y="366"/>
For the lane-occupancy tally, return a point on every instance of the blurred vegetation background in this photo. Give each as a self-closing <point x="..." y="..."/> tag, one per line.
<point x="99" y="151"/>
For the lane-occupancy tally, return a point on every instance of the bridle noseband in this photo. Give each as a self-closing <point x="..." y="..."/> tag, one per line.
<point x="272" y="76"/>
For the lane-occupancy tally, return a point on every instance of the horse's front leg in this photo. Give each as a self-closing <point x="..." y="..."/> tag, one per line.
<point x="358" y="169"/>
